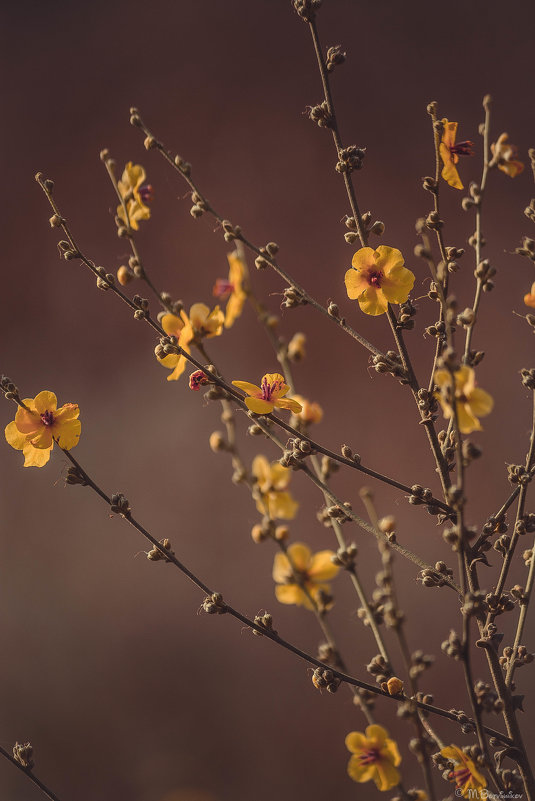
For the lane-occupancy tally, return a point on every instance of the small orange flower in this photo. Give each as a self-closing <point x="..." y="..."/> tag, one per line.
<point x="272" y="481"/>
<point x="301" y="570"/>
<point x="269" y="394"/>
<point x="232" y="288"/>
<point x="471" y="402"/>
<point x="504" y="156"/>
<point x="450" y="152"/>
<point x="375" y="756"/>
<point x="136" y="194"/>
<point x="201" y="323"/>
<point x="310" y="412"/>
<point x="468" y="780"/>
<point x="40" y="424"/>
<point x="529" y="299"/>
<point x="378" y="278"/>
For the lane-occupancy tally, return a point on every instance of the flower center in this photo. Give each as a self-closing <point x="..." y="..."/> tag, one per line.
<point x="374" y="278"/>
<point x="223" y="288"/>
<point x="47" y="418"/>
<point x="269" y="389"/>
<point x="465" y="148"/>
<point x="145" y="193"/>
<point x="460" y="776"/>
<point x="370" y="756"/>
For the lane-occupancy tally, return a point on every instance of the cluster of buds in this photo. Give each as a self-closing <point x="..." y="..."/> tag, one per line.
<point x="528" y="378"/>
<point x="214" y="605"/>
<point x="230" y="232"/>
<point x="334" y="311"/>
<point x="495" y="525"/>
<point x="420" y="495"/>
<point x="518" y="657"/>
<point x="345" y="557"/>
<point x="407" y="311"/>
<point x="327" y="653"/>
<point x="9" y="389"/>
<point x="199" y="205"/>
<point x="426" y="401"/>
<point x="376" y="609"/>
<point x="498" y="604"/>
<point x="142" y="307"/>
<point x="517" y="474"/>
<point x="307" y="8"/>
<point x="527" y="249"/>
<point x="335" y="56"/>
<point x="265" y="622"/>
<point x="266" y="254"/>
<point x="379" y="668"/>
<point x="292" y="298"/>
<point x="437" y="330"/>
<point x="339" y="513"/>
<point x="157" y="554"/>
<point x="474" y="200"/>
<point x="452" y="647"/>
<point x="502" y="544"/>
<point x="325" y="679"/>
<point x="436" y="577"/>
<point x="321" y="114"/>
<point x="75" y="475"/>
<point x="390" y="362"/>
<point x="350" y="158"/>
<point x="347" y="453"/>
<point x="467" y="726"/>
<point x="182" y="165"/>
<point x="166" y="346"/>
<point x="119" y="505"/>
<point x="433" y="221"/>
<point x="447" y="446"/>
<point x="452" y="254"/>
<point x="529" y="211"/>
<point x="104" y="279"/>
<point x="526" y="524"/>
<point x="484" y="272"/>
<point x="23" y="754"/>
<point x="475" y="604"/>
<point x="296" y="450"/>
<point x="487" y="698"/>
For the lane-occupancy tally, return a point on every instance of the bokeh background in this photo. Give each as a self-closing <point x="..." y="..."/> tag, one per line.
<point x="125" y="691"/>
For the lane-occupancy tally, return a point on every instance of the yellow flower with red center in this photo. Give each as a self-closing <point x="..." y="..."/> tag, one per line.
<point x="529" y="299"/>
<point x="311" y="412"/>
<point x="377" y="278"/>
<point x="302" y="576"/>
<point x="505" y="156"/>
<point x="201" y="323"/>
<point x="232" y="288"/>
<point x="468" y="780"/>
<point x="37" y="426"/>
<point x="272" y="481"/>
<point x="450" y="152"/>
<point x="470" y="401"/>
<point x="136" y="194"/>
<point x="374" y="756"/>
<point x="268" y="395"/>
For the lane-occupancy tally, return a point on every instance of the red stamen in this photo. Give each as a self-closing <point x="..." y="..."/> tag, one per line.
<point x="269" y="389"/>
<point x="465" y="148"/>
<point x="374" y="278"/>
<point x="370" y="756"/>
<point x="146" y="193"/>
<point x="47" y="418"/>
<point x="222" y="288"/>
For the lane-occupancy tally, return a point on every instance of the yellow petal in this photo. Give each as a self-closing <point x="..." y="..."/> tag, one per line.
<point x="35" y="457"/>
<point x="321" y="567"/>
<point x="276" y="380"/>
<point x="356" y="741"/>
<point x="360" y="772"/>
<point x="299" y="555"/>
<point x="198" y="314"/>
<point x="234" y="308"/>
<point x="69" y="411"/>
<point x="386" y="259"/>
<point x="259" y="406"/>
<point x="246" y="386"/>
<point x="69" y="434"/>
<point x="281" y="568"/>
<point x="14" y="437"/>
<point x="41" y="438"/>
<point x="377" y="733"/>
<point x="282" y="505"/>
<point x="288" y="403"/>
<point x="466" y="420"/>
<point x="481" y="403"/>
<point x="363" y="258"/>
<point x="27" y="421"/>
<point x="262" y="472"/>
<point x="386" y="775"/>
<point x="279" y="476"/>
<point x="449" y="133"/>
<point x="373" y="302"/>
<point x="172" y="325"/>
<point x="179" y="369"/>
<point x="170" y="361"/>
<point x="45" y="402"/>
<point x="292" y="594"/>
<point x="356" y="283"/>
<point x="512" y="168"/>
<point x="397" y="285"/>
<point x="449" y="171"/>
<point x="237" y="270"/>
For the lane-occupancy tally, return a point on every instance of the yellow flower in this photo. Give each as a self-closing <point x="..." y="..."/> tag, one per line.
<point x="201" y="323"/>
<point x="378" y="278"/>
<point x="135" y="194"/>
<point x="450" y="152"/>
<point x="471" y="402"/>
<point x="302" y="569"/>
<point x="375" y="756"/>
<point x="504" y="156"/>
<point x="272" y="480"/>
<point x="232" y="288"/>
<point x="529" y="299"/>
<point x="269" y="394"/>
<point x="40" y="424"/>
<point x="310" y="412"/>
<point x="468" y="780"/>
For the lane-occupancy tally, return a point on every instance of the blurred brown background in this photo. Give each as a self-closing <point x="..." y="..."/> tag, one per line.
<point x="124" y="690"/>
